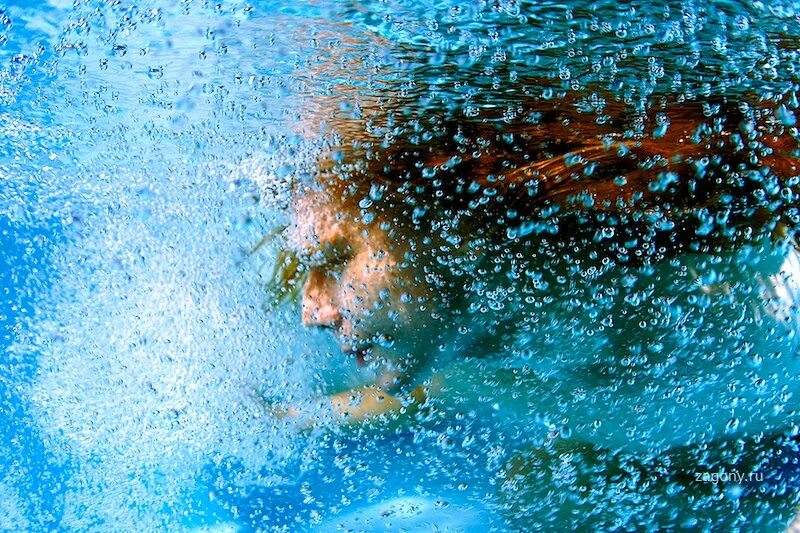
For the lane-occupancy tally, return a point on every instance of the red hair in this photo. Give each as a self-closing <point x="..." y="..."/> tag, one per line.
<point x="706" y="171"/>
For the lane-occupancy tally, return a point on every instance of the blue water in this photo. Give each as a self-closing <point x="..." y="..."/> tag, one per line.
<point x="141" y="155"/>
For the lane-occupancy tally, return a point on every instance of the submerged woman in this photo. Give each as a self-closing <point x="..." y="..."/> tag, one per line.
<point x="619" y="286"/>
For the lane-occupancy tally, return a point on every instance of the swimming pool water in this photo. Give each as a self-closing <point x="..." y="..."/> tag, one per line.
<point x="146" y="149"/>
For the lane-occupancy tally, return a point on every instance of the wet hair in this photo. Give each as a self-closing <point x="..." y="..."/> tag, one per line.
<point x="702" y="172"/>
<point x="633" y="183"/>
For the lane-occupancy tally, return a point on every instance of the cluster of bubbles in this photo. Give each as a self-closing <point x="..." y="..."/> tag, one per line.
<point x="146" y="150"/>
<point x="135" y="188"/>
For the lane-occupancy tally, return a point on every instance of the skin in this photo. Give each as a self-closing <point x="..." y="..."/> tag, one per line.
<point x="363" y="286"/>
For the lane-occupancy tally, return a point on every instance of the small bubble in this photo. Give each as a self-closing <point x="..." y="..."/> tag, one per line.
<point x="785" y="116"/>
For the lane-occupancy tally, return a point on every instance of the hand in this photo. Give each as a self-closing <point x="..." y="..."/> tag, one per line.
<point x="365" y="404"/>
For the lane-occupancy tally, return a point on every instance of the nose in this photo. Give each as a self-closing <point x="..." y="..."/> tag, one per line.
<point x="320" y="307"/>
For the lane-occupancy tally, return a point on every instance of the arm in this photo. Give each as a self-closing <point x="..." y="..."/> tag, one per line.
<point x="365" y="404"/>
<point x="371" y="401"/>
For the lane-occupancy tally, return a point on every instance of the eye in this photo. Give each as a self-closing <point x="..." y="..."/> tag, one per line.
<point x="333" y="256"/>
<point x="334" y="265"/>
<point x="338" y="260"/>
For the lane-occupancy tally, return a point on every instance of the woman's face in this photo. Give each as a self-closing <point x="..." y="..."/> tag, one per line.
<point x="365" y="284"/>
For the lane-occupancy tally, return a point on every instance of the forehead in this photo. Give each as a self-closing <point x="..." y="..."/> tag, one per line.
<point x="316" y="220"/>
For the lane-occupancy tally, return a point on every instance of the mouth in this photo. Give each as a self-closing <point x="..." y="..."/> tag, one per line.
<point x="363" y="347"/>
<point x="361" y="353"/>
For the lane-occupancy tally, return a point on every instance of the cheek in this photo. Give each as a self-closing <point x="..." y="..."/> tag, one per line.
<point x="364" y="285"/>
<point x="372" y="287"/>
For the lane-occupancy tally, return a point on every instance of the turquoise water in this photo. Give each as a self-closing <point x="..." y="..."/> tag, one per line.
<point x="145" y="150"/>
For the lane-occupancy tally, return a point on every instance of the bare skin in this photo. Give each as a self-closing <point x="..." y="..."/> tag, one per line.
<point x="360" y="287"/>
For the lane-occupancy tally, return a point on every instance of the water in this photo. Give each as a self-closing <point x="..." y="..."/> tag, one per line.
<point x="146" y="150"/>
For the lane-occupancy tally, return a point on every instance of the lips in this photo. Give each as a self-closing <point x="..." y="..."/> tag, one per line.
<point x="360" y="353"/>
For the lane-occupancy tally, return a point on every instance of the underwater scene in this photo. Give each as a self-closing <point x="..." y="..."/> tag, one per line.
<point x="399" y="265"/>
